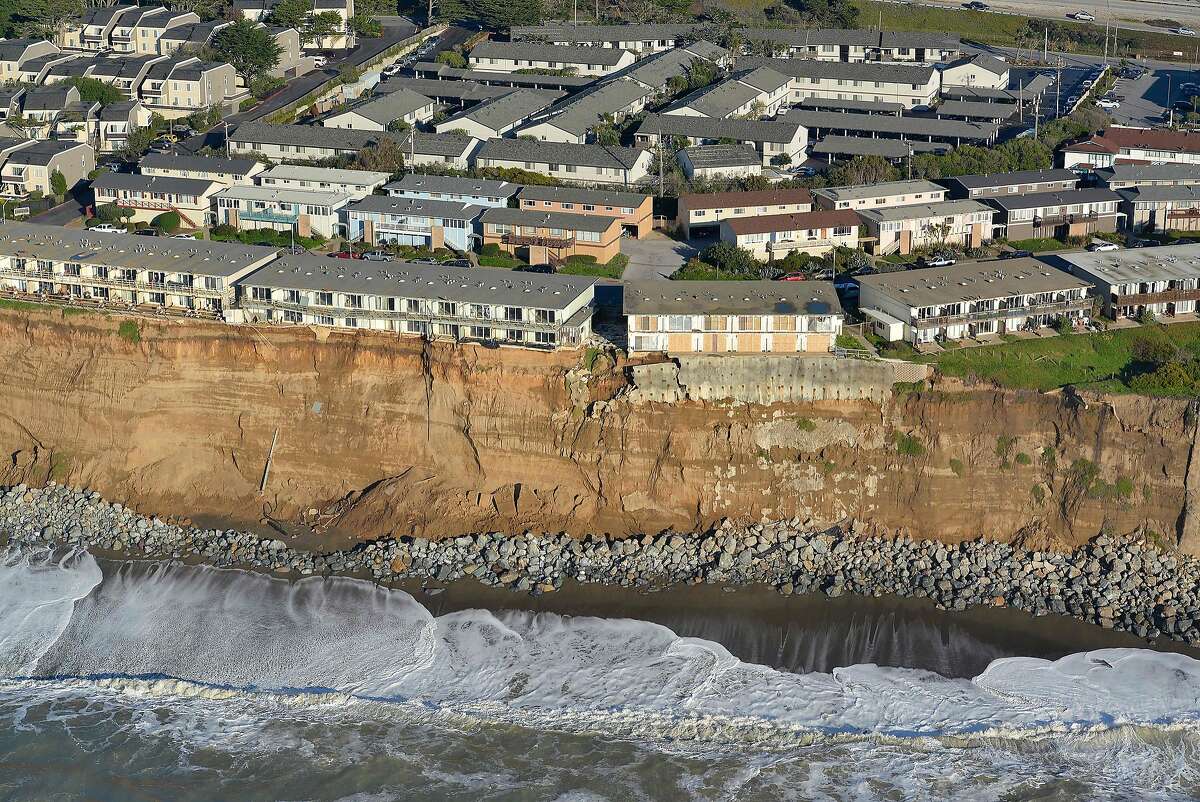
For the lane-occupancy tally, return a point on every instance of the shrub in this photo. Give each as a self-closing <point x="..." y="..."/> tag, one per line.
<point x="1039" y="494"/>
<point x="129" y="331"/>
<point x="908" y="445"/>
<point x="491" y="249"/>
<point x="806" y="425"/>
<point x="1024" y="459"/>
<point x="1048" y="457"/>
<point x="957" y="466"/>
<point x="167" y="221"/>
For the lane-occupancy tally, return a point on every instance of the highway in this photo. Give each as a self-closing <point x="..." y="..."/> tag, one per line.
<point x="1130" y="14"/>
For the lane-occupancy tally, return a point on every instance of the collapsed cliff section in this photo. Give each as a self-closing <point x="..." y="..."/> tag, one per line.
<point x="363" y="435"/>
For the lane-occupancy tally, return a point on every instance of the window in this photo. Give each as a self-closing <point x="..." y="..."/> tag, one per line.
<point x="260" y="293"/>
<point x="480" y="332"/>
<point x="543" y="316"/>
<point x="352" y="323"/>
<point x="292" y="296"/>
<point x="545" y="337"/>
<point x="447" y="308"/>
<point x="325" y="299"/>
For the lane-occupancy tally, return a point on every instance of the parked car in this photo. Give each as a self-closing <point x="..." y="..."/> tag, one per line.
<point x="939" y="260"/>
<point x="319" y="61"/>
<point x="182" y="131"/>
<point x="535" y="269"/>
<point x="147" y="232"/>
<point x="1184" y="32"/>
<point x="1183" y="105"/>
<point x="1102" y="245"/>
<point x="161" y="145"/>
<point x="1015" y="254"/>
<point x="975" y="5"/>
<point x="457" y="263"/>
<point x="793" y="277"/>
<point x="377" y="256"/>
<point x="346" y="255"/>
<point x="1082" y="16"/>
<point x="107" y="228"/>
<point x="183" y="236"/>
<point x="807" y="172"/>
<point x="1072" y="100"/>
<point x="1107" y="103"/>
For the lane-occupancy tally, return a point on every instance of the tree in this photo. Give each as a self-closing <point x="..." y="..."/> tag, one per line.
<point x="320" y="26"/>
<point x="137" y="143"/>
<point x="729" y="258"/>
<point x="111" y="213"/>
<point x="398" y="125"/>
<point x="291" y="13"/>
<point x="46" y="18"/>
<point x="167" y="221"/>
<point x="95" y="91"/>
<point x="781" y="160"/>
<point x="251" y="50"/>
<point x="606" y="134"/>
<point x="385" y="156"/>
<point x="58" y="183"/>
<point x="825" y="13"/>
<point x="452" y="58"/>
<point x="364" y="26"/>
<point x="863" y="170"/>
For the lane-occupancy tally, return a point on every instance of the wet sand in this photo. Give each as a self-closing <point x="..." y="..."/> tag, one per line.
<point x="813" y="632"/>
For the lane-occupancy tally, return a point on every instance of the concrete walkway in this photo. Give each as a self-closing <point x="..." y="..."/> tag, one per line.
<point x="656" y="256"/>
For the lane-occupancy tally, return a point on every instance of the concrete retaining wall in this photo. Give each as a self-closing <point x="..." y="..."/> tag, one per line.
<point x="769" y="379"/>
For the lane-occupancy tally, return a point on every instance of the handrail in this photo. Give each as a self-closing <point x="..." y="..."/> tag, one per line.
<point x="386" y="314"/>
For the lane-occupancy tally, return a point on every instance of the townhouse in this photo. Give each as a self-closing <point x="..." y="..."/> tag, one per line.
<point x="655" y="72"/>
<point x="36" y="71"/>
<point x="1130" y="283"/>
<point x="226" y="172"/>
<point x="491" y="56"/>
<point x="549" y="237"/>
<point x="894" y="150"/>
<point x="973" y="299"/>
<point x="475" y="191"/>
<point x="76" y="123"/>
<point x="10" y="102"/>
<point x="903" y="229"/>
<point x="379" y="114"/>
<point x="642" y="39"/>
<point x="1069" y="213"/>
<point x="125" y="29"/>
<point x="751" y="94"/>
<point x="981" y="70"/>
<point x="908" y="128"/>
<point x="176" y="87"/>
<point x="719" y="161"/>
<point x="575" y="119"/>
<point x="342" y="36"/>
<point x="40" y="260"/>
<point x="1021" y="182"/>
<point x="433" y="224"/>
<point x="126" y="73"/>
<point x="314" y="143"/>
<point x="192" y="36"/>
<point x="913" y="86"/>
<point x="30" y="167"/>
<point x="701" y="214"/>
<point x="501" y="115"/>
<point x="14" y="53"/>
<point x="773" y="139"/>
<point x="634" y="210"/>
<point x="65" y="69"/>
<point x="306" y="212"/>
<point x="109" y="130"/>
<point x="591" y="164"/>
<point x="732" y="317"/>
<point x="1128" y="176"/>
<point x="517" y="309"/>
<point x="854" y="45"/>
<point x="880" y="196"/>
<point x="94" y="30"/>
<point x="41" y="107"/>
<point x="358" y="184"/>
<point x="976" y="111"/>
<point x="150" y="195"/>
<point x="1120" y="145"/>
<point x="445" y="74"/>
<point x="775" y="236"/>
<point x="1161" y="208"/>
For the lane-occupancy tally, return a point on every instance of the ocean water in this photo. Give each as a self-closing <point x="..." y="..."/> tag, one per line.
<point x="158" y="682"/>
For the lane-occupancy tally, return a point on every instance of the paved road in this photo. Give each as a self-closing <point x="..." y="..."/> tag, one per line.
<point x="67" y="212"/>
<point x="657" y="256"/>
<point x="1124" y="13"/>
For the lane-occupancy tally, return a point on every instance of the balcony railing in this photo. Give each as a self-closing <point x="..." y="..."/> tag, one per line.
<point x="395" y="228"/>
<point x="1165" y="296"/>
<point x="266" y="216"/>
<point x="172" y="287"/>
<point x="1061" y="219"/>
<point x="1079" y="304"/>
<point x="385" y="314"/>
<point x="533" y="239"/>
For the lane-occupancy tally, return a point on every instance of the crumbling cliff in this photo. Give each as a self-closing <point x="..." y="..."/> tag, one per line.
<point x="368" y="434"/>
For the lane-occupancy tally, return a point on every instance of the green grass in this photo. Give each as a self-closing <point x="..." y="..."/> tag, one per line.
<point x="1039" y="244"/>
<point x="1100" y="361"/>
<point x="908" y="445"/>
<point x="129" y="331"/>
<point x="613" y="268"/>
<point x="504" y="262"/>
<point x="849" y="341"/>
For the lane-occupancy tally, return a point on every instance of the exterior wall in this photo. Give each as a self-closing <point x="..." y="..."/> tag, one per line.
<point x="378" y="228"/>
<point x="1059" y="226"/>
<point x="193" y="210"/>
<point x="277" y="152"/>
<point x="581" y="173"/>
<point x="881" y="201"/>
<point x="777" y="244"/>
<point x="980" y="193"/>
<point x="734" y="171"/>
<point x="226" y="179"/>
<point x="19" y="180"/>
<point x="488" y="64"/>
<point x="974" y="76"/>
<point x="639" y="218"/>
<point x="1177" y="215"/>
<point x="695" y="218"/>
<point x="914" y="234"/>
<point x="908" y="95"/>
<point x="355" y="121"/>
<point x="733" y="334"/>
<point x="546" y="131"/>
<point x="603" y="249"/>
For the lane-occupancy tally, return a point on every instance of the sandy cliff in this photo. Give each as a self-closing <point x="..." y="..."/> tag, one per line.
<point x="375" y="435"/>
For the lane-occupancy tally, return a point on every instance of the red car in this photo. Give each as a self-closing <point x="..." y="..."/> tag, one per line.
<point x="793" y="277"/>
<point x="346" y="255"/>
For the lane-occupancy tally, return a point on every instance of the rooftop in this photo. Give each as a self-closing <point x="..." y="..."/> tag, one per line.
<point x="42" y="151"/>
<point x="802" y="221"/>
<point x="919" y="211"/>
<point x="862" y="192"/>
<point x="852" y="105"/>
<point x="887" y="124"/>
<point x="713" y="156"/>
<point x="206" y="164"/>
<point x="389" y="107"/>
<point x="563" y="220"/>
<point x="1153" y="194"/>
<point x="977" y="110"/>
<point x="599" y="197"/>
<point x="731" y="298"/>
<point x="971" y="281"/>
<point x="408" y="280"/>
<point x="871" y="146"/>
<point x="720" y="99"/>
<point x="983" y="61"/>
<point x="1115" y="138"/>
<point x="285" y="195"/>
<point x="889" y="72"/>
<point x="564" y="32"/>
<point x="766" y="197"/>
<point x="1150" y="172"/>
<point x="1012" y="179"/>
<point x="477" y="187"/>
<point x="1137" y="264"/>
<point x="812" y="37"/>
<point x="468" y="91"/>
<point x="523" y="150"/>
<point x="1037" y="200"/>
<point x="503" y="112"/>
<point x="686" y="125"/>
<point x="419" y="207"/>
<point x="298" y="172"/>
<point x="538" y="51"/>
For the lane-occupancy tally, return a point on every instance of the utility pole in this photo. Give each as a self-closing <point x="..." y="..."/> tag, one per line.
<point x="1037" y="110"/>
<point x="1106" y="43"/>
<point x="226" y="139"/>
<point x="1058" y="88"/>
<point x="575" y="12"/>
<point x="1021" y="99"/>
<point x="661" y="176"/>
<point x="429" y="19"/>
<point x="1045" y="44"/>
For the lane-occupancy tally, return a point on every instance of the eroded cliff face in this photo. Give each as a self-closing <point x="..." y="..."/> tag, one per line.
<point x="377" y="435"/>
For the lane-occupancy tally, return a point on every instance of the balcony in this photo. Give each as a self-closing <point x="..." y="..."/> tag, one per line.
<point x="537" y="240"/>
<point x="1063" y="219"/>
<point x="268" y="216"/>
<point x="1077" y="305"/>
<point x="1164" y="297"/>
<point x="172" y="287"/>
<point x="385" y="314"/>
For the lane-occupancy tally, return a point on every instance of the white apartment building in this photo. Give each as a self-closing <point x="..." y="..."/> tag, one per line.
<point x="590" y="164"/>
<point x="1162" y="281"/>
<point x="306" y="212"/>
<point x="489" y="56"/>
<point x="880" y="196"/>
<point x="913" y="86"/>
<point x="356" y="183"/>
<point x="903" y="229"/>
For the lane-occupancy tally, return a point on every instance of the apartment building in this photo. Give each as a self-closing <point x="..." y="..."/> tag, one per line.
<point x="176" y="87"/>
<point x="14" y="53"/>
<point x="139" y="30"/>
<point x="732" y="317"/>
<point x="549" y="237"/>
<point x="342" y="37"/>
<point x="773" y="139"/>
<point x="719" y="161"/>
<point x="750" y="94"/>
<point x="1159" y="208"/>
<point x="981" y="70"/>
<point x="1129" y="176"/>
<point x="314" y="143"/>
<point x="30" y="167"/>
<point x="500" y="115"/>
<point x="193" y="36"/>
<point x="1127" y="283"/>
<point x="384" y="220"/>
<point x="43" y="106"/>
<point x="380" y="113"/>
<point x="913" y="86"/>
<point x="116" y="121"/>
<point x="226" y="172"/>
<point x="474" y="191"/>
<point x="575" y="119"/>
<point x="908" y="128"/>
<point x="655" y="72"/>
<point x="701" y="214"/>
<point x="775" y="236"/>
<point x="94" y="30"/>
<point x="1022" y="182"/>
<point x="634" y="210"/>
<point x="306" y="212"/>
<point x="855" y="45"/>
<point x="1070" y="213"/>
<point x="116" y="269"/>
<point x="590" y="164"/>
<point x="491" y="56"/>
<point x="973" y="299"/>
<point x="1119" y="145"/>
<point x="435" y="72"/>
<point x="151" y="195"/>
<point x="358" y="184"/>
<point x="452" y="92"/>
<point x="880" y="196"/>
<point x="903" y="229"/>
<point x="517" y="309"/>
<point x="643" y="39"/>
<point x="124" y="72"/>
<point x="36" y="71"/>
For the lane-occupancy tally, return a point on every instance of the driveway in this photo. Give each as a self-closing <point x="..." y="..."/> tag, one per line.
<point x="656" y="256"/>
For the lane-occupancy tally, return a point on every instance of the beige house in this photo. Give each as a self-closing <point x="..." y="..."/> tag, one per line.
<point x="775" y="236"/>
<point x="117" y="121"/>
<point x="139" y="31"/>
<point x="178" y="87"/>
<point x="702" y="213"/>
<point x="227" y="172"/>
<point x="30" y="167"/>
<point x="17" y="52"/>
<point x="150" y="195"/>
<point x="732" y="317"/>
<point x="492" y="56"/>
<point x="903" y="229"/>
<point x="880" y="196"/>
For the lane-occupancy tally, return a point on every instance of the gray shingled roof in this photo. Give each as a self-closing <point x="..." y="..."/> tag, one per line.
<point x="664" y="297"/>
<point x="1036" y="200"/>
<point x="42" y="151"/>
<point x="580" y="113"/>
<point x="386" y="204"/>
<point x="778" y="130"/>
<point x="1013" y="179"/>
<point x="563" y="54"/>
<point x="501" y="113"/>
<point x="466" y="91"/>
<point x="863" y="191"/>
<point x="863" y="38"/>
<point x="532" y="217"/>
<point x="346" y="139"/>
<point x="1150" y="172"/>
<point x="209" y="164"/>
<point x="887" y="72"/>
<point x="977" y="110"/>
<point x="887" y="124"/>
<point x="153" y="183"/>
<point x="1188" y="192"/>
<point x="599" y="197"/>
<point x="970" y="281"/>
<point x="478" y="187"/>
<point x="882" y="107"/>
<point x="710" y="156"/>
<point x="718" y="100"/>
<point x="983" y="61"/>
<point x="601" y="33"/>
<point x="918" y="211"/>
<point x="392" y="106"/>
<point x="13" y="49"/>
<point x="523" y="150"/>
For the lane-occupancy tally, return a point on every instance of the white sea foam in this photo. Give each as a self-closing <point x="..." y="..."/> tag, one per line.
<point x="38" y="591"/>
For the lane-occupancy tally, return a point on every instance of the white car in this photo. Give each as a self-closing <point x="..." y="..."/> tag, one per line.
<point x="377" y="256"/>
<point x="1101" y="245"/>
<point x="1072" y="100"/>
<point x="1088" y="84"/>
<point x="183" y="236"/>
<point x="1184" y="32"/>
<point x="107" y="228"/>
<point x="318" y="61"/>
<point x="1082" y="16"/>
<point x="1108" y="104"/>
